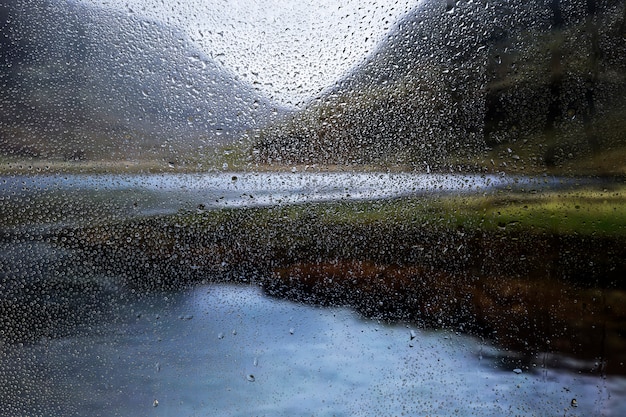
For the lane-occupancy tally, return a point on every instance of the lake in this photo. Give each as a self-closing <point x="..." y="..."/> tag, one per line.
<point x="82" y="199"/>
<point x="228" y="350"/>
<point x="95" y="347"/>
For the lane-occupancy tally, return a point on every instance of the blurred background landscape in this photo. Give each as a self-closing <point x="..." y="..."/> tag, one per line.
<point x="184" y="186"/>
<point x="81" y="84"/>
<point x="453" y="86"/>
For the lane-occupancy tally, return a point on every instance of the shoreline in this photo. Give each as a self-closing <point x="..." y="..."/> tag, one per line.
<point x="527" y="289"/>
<point x="531" y="271"/>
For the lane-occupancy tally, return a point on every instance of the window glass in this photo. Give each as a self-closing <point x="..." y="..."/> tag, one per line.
<point x="312" y="208"/>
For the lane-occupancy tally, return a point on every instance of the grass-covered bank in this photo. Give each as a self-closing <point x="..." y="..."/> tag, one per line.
<point x="534" y="272"/>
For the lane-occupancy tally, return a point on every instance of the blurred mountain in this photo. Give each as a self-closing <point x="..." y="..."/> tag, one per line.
<point x="475" y="85"/>
<point x="78" y="82"/>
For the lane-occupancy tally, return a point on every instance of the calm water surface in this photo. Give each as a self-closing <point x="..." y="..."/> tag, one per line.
<point x="80" y="199"/>
<point x="228" y="350"/>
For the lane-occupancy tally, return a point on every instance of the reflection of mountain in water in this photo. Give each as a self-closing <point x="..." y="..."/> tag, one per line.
<point x="81" y="82"/>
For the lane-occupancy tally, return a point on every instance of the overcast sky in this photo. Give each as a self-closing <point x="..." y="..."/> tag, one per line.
<point x="290" y="49"/>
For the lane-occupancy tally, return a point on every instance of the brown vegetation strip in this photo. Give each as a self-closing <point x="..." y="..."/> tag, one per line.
<point x="518" y="314"/>
<point x="528" y="292"/>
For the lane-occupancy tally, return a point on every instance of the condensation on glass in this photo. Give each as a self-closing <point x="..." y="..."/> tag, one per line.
<point x="312" y="208"/>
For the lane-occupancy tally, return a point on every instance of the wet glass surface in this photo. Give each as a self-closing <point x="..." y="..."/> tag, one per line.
<point x="312" y="208"/>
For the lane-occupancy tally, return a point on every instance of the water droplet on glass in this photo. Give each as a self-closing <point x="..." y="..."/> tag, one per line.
<point x="413" y="334"/>
<point x="155" y="403"/>
<point x="517" y="371"/>
<point x="250" y="377"/>
<point x="574" y="403"/>
<point x="220" y="335"/>
<point x="255" y="362"/>
<point x="291" y="330"/>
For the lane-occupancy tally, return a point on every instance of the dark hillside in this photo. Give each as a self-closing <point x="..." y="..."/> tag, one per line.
<point x="83" y="83"/>
<point x="513" y="85"/>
